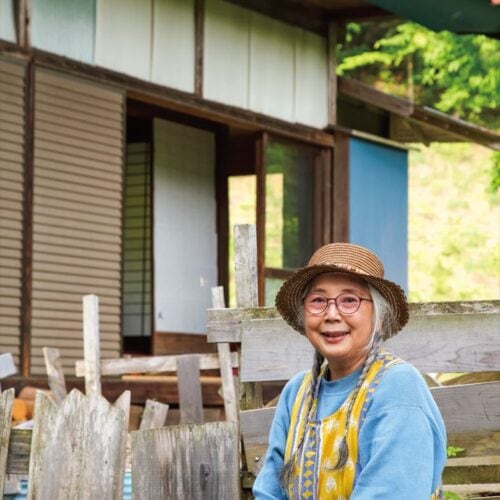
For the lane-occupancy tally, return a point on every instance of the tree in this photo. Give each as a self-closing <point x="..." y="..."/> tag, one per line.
<point x="457" y="74"/>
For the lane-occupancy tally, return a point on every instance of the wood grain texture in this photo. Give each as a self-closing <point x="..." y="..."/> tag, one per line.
<point x="245" y="265"/>
<point x="55" y="373"/>
<point x="255" y="426"/>
<point x="78" y="449"/>
<point x="231" y="403"/>
<point x="190" y="399"/>
<point x="154" y="415"/>
<point x="186" y="462"/>
<point x="18" y="459"/>
<point x="6" y="403"/>
<point x="469" y="408"/>
<point x="91" y="348"/>
<point x="152" y="364"/>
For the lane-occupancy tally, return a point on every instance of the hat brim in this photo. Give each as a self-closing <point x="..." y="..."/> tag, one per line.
<point x="290" y="295"/>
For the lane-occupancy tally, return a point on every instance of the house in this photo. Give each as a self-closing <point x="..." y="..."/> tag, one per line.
<point x="122" y="126"/>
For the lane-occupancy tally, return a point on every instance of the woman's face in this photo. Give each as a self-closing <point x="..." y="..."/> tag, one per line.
<point x="343" y="339"/>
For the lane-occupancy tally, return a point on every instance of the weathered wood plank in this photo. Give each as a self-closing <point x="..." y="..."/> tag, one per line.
<point x="247" y="294"/>
<point x="245" y="265"/>
<point x="91" y="349"/>
<point x="154" y="415"/>
<point x="151" y="364"/>
<point x="231" y="403"/>
<point x="190" y="399"/>
<point x="78" y="448"/>
<point x="186" y="462"/>
<point x="224" y="325"/>
<point x="469" y="408"/>
<point x="272" y="350"/>
<point x="6" y="402"/>
<point x="472" y="470"/>
<point x="255" y="426"/>
<point x="18" y="459"/>
<point x="55" y="373"/>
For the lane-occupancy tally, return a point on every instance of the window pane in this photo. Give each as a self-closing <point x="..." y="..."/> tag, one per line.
<point x="289" y="205"/>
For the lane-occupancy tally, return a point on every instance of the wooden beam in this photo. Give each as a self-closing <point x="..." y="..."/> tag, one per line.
<point x="151" y="364"/>
<point x="370" y="95"/>
<point x="55" y="374"/>
<point x="332" y="73"/>
<point x="340" y="229"/>
<point x="261" y="145"/>
<point x="91" y="348"/>
<point x="199" y="26"/>
<point x="190" y="398"/>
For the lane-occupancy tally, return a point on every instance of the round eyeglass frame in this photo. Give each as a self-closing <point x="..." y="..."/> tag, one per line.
<point x="334" y="300"/>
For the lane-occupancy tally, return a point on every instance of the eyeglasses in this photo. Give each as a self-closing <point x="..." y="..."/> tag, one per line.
<point x="346" y="303"/>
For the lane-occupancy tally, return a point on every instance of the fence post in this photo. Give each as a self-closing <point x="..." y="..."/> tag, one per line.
<point x="6" y="402"/>
<point x="55" y="373"/>
<point x="245" y="269"/>
<point x="91" y="349"/>
<point x="226" y="368"/>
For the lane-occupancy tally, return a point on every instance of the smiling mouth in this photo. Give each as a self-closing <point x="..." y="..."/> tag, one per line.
<point x="334" y="335"/>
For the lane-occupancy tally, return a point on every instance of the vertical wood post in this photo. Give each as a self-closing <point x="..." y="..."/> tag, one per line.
<point x="332" y="73"/>
<point x="245" y="269"/>
<point x="189" y="384"/>
<point x="91" y="349"/>
<point x="154" y="415"/>
<point x="226" y="369"/>
<point x="55" y="373"/>
<point x="6" y="402"/>
<point x="199" y="22"/>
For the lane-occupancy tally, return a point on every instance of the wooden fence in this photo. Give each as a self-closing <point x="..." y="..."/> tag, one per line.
<point x="78" y="445"/>
<point x="440" y="337"/>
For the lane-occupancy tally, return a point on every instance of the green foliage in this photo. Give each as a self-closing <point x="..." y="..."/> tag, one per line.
<point x="448" y="495"/>
<point x="457" y="74"/>
<point x="453" y="451"/>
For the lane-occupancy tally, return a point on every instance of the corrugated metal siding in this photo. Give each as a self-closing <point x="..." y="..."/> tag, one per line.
<point x="136" y="309"/>
<point x="78" y="178"/>
<point x="12" y="104"/>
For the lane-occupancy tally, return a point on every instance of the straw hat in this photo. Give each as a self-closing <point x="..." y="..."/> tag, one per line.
<point x="351" y="260"/>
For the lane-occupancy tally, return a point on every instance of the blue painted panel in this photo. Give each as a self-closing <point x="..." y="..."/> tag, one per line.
<point x="65" y="27"/>
<point x="378" y="204"/>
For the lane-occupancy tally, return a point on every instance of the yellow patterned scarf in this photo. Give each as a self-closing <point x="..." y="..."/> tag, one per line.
<point x="312" y="474"/>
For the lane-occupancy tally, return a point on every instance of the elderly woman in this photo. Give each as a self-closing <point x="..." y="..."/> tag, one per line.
<point x="361" y="424"/>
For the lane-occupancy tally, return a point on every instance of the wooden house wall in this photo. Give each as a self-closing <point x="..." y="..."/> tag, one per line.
<point x="77" y="214"/>
<point x="64" y="28"/>
<point x="151" y="40"/>
<point x="7" y="21"/>
<point x="137" y="237"/>
<point x="250" y="60"/>
<point x="264" y="65"/>
<point x="12" y="139"/>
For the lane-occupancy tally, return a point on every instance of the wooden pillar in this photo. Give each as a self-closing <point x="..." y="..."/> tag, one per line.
<point x="341" y="187"/>
<point x="332" y="74"/>
<point x="199" y="23"/>
<point x="245" y="269"/>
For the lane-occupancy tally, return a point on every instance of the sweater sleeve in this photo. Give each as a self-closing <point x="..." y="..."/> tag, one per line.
<point x="402" y="442"/>
<point x="267" y="485"/>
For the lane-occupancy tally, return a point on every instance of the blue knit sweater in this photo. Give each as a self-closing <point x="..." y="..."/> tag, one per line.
<point x="402" y="441"/>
